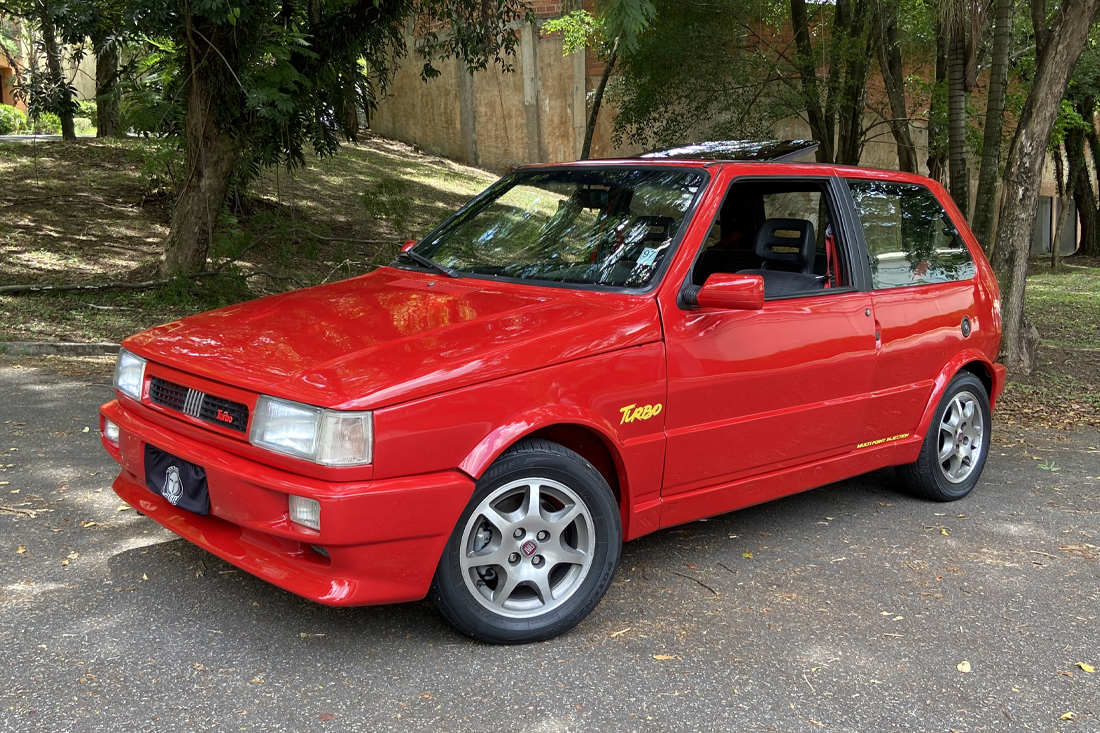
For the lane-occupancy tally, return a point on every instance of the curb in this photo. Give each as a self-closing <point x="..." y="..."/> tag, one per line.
<point x="56" y="348"/>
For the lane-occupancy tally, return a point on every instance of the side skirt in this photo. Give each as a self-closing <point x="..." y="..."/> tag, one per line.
<point x="714" y="500"/>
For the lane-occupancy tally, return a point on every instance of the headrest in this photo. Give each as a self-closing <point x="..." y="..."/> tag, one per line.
<point x="787" y="242"/>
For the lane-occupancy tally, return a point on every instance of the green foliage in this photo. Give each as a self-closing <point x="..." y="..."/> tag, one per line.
<point x="161" y="167"/>
<point x="389" y="200"/>
<point x="45" y="123"/>
<point x="12" y="120"/>
<point x="719" y="86"/>
<point x="579" y="30"/>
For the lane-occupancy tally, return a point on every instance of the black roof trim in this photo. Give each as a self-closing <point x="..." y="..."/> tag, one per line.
<point x="773" y="151"/>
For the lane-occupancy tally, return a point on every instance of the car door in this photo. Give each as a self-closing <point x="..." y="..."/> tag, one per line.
<point x="752" y="391"/>
<point x="923" y="287"/>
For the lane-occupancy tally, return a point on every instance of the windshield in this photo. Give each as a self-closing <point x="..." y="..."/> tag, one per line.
<point x="613" y="227"/>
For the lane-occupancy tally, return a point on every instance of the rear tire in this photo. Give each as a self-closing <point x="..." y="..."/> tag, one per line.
<point x="954" y="450"/>
<point x="535" y="549"/>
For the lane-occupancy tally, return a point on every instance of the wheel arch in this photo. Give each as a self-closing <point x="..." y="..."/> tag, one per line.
<point x="579" y="435"/>
<point x="967" y="361"/>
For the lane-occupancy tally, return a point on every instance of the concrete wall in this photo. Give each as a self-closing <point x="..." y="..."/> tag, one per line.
<point x="490" y="119"/>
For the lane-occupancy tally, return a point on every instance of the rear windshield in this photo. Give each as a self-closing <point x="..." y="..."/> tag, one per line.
<point x="614" y="227"/>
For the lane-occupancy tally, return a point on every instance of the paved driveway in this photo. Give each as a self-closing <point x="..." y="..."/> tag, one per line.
<point x="847" y="609"/>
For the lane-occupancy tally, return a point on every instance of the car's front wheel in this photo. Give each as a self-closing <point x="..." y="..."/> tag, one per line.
<point x="954" y="450"/>
<point x="535" y="549"/>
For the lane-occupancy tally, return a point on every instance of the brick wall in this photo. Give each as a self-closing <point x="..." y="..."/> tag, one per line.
<point x="547" y="8"/>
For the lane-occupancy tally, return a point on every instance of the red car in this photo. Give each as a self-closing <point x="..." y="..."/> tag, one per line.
<point x="583" y="354"/>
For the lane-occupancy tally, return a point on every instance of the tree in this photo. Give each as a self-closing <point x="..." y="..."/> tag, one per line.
<point x="263" y="79"/>
<point x="1058" y="43"/>
<point x="986" y="199"/>
<point x="736" y="74"/>
<point x="892" y="70"/>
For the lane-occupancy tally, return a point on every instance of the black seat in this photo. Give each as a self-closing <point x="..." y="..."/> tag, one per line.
<point x="788" y="249"/>
<point x="787" y="245"/>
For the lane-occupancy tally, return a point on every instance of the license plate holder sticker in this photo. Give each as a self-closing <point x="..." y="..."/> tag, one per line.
<point x="182" y="483"/>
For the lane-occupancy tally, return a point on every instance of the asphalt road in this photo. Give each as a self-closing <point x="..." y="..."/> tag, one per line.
<point x="848" y="608"/>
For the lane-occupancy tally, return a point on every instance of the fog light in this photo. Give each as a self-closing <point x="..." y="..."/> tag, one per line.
<point x="110" y="431"/>
<point x="306" y="512"/>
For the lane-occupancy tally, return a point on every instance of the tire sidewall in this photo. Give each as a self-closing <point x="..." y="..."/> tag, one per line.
<point x="969" y="383"/>
<point x="471" y="617"/>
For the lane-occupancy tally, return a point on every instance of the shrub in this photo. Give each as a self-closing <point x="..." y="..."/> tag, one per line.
<point x="87" y="109"/>
<point x="12" y="121"/>
<point x="47" y="123"/>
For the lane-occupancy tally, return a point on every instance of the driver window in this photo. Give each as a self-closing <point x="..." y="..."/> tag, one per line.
<point x="779" y="230"/>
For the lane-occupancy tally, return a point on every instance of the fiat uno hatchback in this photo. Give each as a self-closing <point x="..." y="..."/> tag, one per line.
<point x="583" y="354"/>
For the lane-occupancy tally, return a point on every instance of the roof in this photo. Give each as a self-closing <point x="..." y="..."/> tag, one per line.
<point x="773" y="151"/>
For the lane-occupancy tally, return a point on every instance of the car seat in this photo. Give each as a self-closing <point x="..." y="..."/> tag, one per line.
<point x="788" y="249"/>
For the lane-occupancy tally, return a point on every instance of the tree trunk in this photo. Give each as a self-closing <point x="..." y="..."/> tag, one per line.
<point x="956" y="117"/>
<point x="211" y="156"/>
<point x="106" y="86"/>
<point x="937" y="149"/>
<point x="854" y="89"/>
<point x="1064" y="184"/>
<point x="893" y="77"/>
<point x="597" y="101"/>
<point x="986" y="201"/>
<point x="821" y="125"/>
<point x="1061" y="45"/>
<point x="61" y="95"/>
<point x="1079" y="183"/>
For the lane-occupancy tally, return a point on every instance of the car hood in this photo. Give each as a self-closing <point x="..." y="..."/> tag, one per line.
<point x="395" y="335"/>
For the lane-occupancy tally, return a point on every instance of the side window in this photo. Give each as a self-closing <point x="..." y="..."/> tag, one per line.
<point x="780" y="230"/>
<point x="911" y="239"/>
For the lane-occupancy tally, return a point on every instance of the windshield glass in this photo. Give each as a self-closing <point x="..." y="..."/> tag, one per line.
<point x="612" y="227"/>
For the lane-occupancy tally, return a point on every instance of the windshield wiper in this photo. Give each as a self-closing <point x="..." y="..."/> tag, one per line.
<point x="426" y="262"/>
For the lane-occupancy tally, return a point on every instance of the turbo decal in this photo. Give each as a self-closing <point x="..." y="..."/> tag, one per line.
<point x="633" y="412"/>
<point x="880" y="441"/>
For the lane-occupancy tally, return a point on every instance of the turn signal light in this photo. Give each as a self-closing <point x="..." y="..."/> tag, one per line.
<point x="306" y="512"/>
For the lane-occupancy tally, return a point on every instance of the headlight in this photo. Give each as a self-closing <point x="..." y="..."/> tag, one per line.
<point x="129" y="374"/>
<point x="329" y="437"/>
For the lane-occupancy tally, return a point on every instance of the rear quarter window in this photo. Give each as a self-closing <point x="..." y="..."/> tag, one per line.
<point x="911" y="238"/>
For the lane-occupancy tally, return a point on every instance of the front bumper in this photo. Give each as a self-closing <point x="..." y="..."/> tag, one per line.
<point x="384" y="538"/>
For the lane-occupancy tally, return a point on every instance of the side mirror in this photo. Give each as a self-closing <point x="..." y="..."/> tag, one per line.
<point x="734" y="292"/>
<point x="409" y="244"/>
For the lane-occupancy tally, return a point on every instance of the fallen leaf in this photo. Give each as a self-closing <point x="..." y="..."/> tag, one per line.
<point x="257" y="680"/>
<point x="1086" y="667"/>
<point x="747" y="554"/>
<point x="74" y="555"/>
<point x="87" y="524"/>
<point x="122" y="508"/>
<point x="325" y="717"/>
<point x="1069" y="716"/>
<point x="963" y="666"/>
<point x="20" y="550"/>
<point x="425" y="696"/>
<point x="663" y="657"/>
<point x="84" y="430"/>
<point x="64" y="563"/>
<point x="943" y="532"/>
<point x="144" y="576"/>
<point x="199" y="666"/>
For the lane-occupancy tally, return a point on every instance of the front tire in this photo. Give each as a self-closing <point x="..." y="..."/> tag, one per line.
<point x="954" y="450"/>
<point x="535" y="549"/>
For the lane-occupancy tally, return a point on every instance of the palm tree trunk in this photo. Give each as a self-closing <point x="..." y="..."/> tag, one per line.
<point x="956" y="117"/>
<point x="986" y="200"/>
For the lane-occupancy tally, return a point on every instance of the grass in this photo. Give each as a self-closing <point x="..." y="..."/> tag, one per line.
<point x="98" y="210"/>
<point x="1064" y="389"/>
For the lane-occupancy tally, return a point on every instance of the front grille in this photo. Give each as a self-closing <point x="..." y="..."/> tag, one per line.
<point x="228" y="414"/>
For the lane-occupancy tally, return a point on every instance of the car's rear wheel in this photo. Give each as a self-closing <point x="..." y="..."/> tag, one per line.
<point x="535" y="549"/>
<point x="954" y="450"/>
